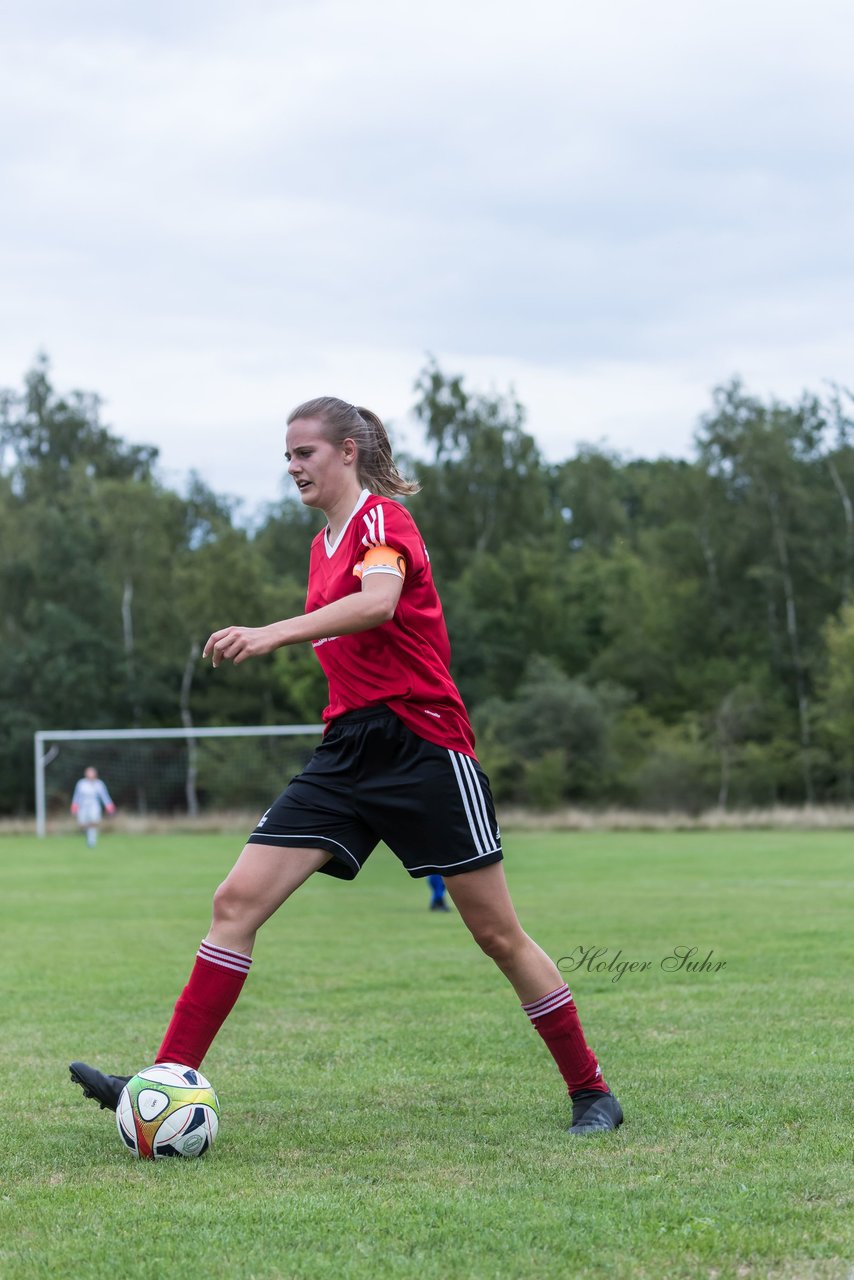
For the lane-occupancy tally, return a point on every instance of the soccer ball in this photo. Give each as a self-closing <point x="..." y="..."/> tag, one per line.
<point x="168" y="1110"/>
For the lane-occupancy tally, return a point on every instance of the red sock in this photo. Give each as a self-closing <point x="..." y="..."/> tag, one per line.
<point x="556" y="1018"/>
<point x="203" y="1006"/>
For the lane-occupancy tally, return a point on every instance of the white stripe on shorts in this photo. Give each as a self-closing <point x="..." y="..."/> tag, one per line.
<point x="446" y="866"/>
<point x="479" y="799"/>
<point x="474" y="803"/>
<point x="309" y="842"/>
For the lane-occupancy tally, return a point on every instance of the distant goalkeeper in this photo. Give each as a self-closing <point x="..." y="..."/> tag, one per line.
<point x="88" y="803"/>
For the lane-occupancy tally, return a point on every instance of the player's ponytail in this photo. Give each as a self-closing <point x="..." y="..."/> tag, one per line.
<point x="377" y="468"/>
<point x="342" y="421"/>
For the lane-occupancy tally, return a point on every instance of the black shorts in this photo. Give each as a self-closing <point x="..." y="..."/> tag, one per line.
<point x="373" y="779"/>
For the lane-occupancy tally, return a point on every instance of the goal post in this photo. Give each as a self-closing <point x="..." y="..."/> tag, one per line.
<point x="200" y="764"/>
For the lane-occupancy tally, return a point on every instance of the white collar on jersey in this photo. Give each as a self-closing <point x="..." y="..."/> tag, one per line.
<point x="332" y="547"/>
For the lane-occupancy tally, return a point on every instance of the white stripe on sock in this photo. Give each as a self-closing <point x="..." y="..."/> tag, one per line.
<point x="224" y="952"/>
<point x="214" y="958"/>
<point x="548" y="1003"/>
<point x="558" y="991"/>
<point x="557" y="1003"/>
<point x="234" y="960"/>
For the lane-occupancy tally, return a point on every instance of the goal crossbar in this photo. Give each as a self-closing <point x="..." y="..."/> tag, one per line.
<point x="42" y="736"/>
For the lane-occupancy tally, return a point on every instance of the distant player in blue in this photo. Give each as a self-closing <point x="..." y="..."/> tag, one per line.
<point x="437" y="889"/>
<point x="89" y="801"/>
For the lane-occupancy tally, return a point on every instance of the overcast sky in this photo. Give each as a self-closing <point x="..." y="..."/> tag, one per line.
<point x="211" y="211"/>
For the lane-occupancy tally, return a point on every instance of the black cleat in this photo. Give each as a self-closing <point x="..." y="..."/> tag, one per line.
<point x="594" y="1112"/>
<point x="105" y="1090"/>
<point x="439" y="905"/>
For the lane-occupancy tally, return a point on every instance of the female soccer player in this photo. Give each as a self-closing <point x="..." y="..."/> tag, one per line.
<point x="397" y="760"/>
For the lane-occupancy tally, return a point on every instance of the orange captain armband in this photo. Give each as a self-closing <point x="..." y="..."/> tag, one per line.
<point x="381" y="560"/>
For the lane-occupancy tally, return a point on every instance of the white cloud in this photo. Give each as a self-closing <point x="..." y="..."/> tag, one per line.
<point x="214" y="210"/>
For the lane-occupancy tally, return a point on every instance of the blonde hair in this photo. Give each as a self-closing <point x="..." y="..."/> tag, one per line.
<point x="343" y="421"/>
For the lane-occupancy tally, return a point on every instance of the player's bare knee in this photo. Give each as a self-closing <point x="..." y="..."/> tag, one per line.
<point x="230" y="905"/>
<point x="496" y="942"/>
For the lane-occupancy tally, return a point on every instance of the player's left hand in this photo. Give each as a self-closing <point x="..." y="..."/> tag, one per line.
<point x="239" y="643"/>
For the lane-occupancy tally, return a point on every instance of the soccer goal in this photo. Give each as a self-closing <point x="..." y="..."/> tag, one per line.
<point x="171" y="772"/>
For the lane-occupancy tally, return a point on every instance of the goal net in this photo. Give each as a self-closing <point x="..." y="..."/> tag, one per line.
<point x="191" y="774"/>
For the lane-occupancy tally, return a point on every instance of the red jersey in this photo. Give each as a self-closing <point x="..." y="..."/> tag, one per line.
<point x="405" y="662"/>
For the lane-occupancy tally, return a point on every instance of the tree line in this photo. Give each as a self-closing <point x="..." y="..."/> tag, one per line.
<point x="660" y="633"/>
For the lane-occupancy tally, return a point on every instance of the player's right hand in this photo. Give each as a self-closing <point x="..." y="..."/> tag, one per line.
<point x="239" y="643"/>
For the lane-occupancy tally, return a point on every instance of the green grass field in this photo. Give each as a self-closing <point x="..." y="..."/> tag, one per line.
<point x="387" y="1109"/>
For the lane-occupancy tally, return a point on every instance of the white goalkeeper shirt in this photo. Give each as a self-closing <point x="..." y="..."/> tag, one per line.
<point x="91" y="798"/>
